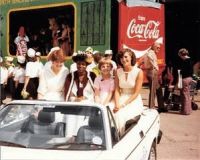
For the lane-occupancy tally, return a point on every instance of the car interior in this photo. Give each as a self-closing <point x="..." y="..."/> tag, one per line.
<point x="93" y="129"/>
<point x="44" y="124"/>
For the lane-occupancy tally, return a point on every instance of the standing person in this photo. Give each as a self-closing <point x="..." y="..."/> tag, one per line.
<point x="3" y="79"/>
<point x="186" y="72"/>
<point x="89" y="51"/>
<point x="21" y="42"/>
<point x="128" y="83"/>
<point x="108" y="55"/>
<point x="65" y="40"/>
<point x="151" y="66"/>
<point x="52" y="77"/>
<point x="19" y="77"/>
<point x="97" y="57"/>
<point x="38" y="58"/>
<point x="32" y="72"/>
<point x="104" y="83"/>
<point x="167" y="80"/>
<point x="10" y="87"/>
<point x="79" y="85"/>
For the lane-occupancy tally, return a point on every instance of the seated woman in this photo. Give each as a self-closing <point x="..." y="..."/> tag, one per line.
<point x="104" y="83"/>
<point x="79" y="85"/>
<point x="52" y="77"/>
<point x="128" y="83"/>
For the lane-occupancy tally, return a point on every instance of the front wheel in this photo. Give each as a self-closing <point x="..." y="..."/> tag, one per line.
<point x="153" y="152"/>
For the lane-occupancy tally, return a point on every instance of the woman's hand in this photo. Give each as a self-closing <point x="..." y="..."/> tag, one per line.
<point x="116" y="109"/>
<point x="78" y="99"/>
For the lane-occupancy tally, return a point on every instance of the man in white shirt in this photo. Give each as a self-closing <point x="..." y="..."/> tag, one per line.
<point x="151" y="66"/>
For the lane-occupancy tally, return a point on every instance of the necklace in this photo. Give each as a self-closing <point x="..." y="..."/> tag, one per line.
<point x="80" y="85"/>
<point x="81" y="79"/>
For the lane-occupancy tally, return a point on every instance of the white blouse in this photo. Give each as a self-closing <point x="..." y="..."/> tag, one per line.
<point x="19" y="75"/>
<point x="33" y="69"/>
<point x="4" y="75"/>
<point x="51" y="85"/>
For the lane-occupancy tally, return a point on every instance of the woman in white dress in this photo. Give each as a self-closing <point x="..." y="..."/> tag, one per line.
<point x="128" y="83"/>
<point x="52" y="77"/>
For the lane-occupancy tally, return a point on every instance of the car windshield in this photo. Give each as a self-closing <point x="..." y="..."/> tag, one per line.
<point x="49" y="126"/>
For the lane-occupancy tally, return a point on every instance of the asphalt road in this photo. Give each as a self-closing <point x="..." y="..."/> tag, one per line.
<point x="181" y="134"/>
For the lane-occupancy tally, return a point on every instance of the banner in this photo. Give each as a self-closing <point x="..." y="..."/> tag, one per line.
<point x="140" y="27"/>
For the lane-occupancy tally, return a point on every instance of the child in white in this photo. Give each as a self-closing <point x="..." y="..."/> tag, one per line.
<point x="19" y="76"/>
<point x="3" y="79"/>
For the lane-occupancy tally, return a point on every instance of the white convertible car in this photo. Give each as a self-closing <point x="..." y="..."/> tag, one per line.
<point x="43" y="130"/>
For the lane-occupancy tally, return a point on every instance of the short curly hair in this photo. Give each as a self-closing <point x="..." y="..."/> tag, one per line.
<point x="121" y="54"/>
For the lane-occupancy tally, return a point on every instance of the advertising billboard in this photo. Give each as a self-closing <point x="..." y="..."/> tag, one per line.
<point x="141" y="26"/>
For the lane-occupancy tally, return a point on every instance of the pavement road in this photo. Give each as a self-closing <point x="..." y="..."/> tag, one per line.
<point x="181" y="134"/>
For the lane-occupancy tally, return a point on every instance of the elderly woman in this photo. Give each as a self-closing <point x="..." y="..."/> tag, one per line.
<point x="79" y="84"/>
<point x="52" y="77"/>
<point x="128" y="83"/>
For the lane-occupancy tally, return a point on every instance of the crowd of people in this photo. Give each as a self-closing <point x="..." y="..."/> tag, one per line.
<point x="90" y="78"/>
<point x="58" y="33"/>
<point x="93" y="77"/>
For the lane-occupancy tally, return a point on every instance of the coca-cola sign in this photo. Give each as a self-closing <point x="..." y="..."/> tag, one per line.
<point x="143" y="31"/>
<point x="140" y="27"/>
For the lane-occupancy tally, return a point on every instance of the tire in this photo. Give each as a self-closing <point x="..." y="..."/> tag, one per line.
<point x="153" y="152"/>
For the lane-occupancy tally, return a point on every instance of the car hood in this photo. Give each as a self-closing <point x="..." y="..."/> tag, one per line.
<point x="8" y="153"/>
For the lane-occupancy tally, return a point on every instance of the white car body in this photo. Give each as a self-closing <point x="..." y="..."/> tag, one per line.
<point x="134" y="145"/>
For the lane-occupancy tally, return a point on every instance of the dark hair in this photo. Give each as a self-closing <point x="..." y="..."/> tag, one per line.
<point x="31" y="59"/>
<point x="81" y="58"/>
<point x="57" y="55"/>
<point x="97" y="57"/>
<point x="121" y="54"/>
<point x="22" y="64"/>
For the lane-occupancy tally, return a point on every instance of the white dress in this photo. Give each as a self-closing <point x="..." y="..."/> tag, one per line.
<point x="51" y="85"/>
<point x="134" y="108"/>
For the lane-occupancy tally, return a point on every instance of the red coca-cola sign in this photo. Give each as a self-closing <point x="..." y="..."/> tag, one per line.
<point x="143" y="32"/>
<point x="140" y="27"/>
